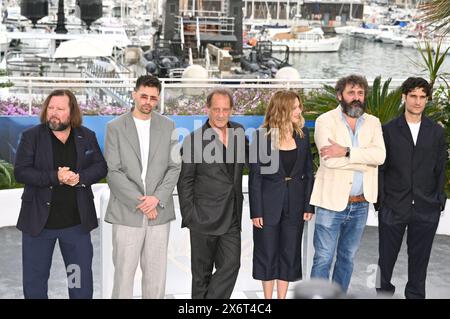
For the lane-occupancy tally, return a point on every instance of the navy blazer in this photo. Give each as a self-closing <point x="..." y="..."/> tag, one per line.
<point x="267" y="191"/>
<point x="34" y="168"/>
<point x="412" y="174"/>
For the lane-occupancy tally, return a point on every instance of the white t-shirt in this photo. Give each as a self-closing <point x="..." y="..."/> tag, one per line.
<point x="414" y="127"/>
<point x="143" y="131"/>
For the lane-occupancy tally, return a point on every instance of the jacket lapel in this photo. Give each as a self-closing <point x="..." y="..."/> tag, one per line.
<point x="47" y="146"/>
<point x="424" y="142"/>
<point x="298" y="143"/>
<point x="342" y="127"/>
<point x="423" y="131"/>
<point x="130" y="133"/>
<point x="79" y="146"/>
<point x="155" y="133"/>
<point x="269" y="153"/>
<point x="404" y="129"/>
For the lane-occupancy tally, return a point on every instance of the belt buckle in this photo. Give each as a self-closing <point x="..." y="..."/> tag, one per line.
<point x="287" y="178"/>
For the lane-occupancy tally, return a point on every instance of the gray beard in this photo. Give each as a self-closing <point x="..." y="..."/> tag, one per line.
<point x="354" y="109"/>
<point x="57" y="126"/>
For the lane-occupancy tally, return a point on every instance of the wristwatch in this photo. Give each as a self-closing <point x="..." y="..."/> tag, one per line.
<point x="347" y="154"/>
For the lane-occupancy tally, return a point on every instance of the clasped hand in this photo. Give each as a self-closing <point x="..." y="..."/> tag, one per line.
<point x="148" y="206"/>
<point x="66" y="176"/>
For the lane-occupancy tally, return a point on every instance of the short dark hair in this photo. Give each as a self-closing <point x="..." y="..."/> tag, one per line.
<point x="75" y="112"/>
<point x="148" y="80"/>
<point x="353" y="79"/>
<point x="219" y="91"/>
<point x="412" y="83"/>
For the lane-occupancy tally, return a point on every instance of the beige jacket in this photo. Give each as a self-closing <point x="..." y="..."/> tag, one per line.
<point x="123" y="156"/>
<point x="334" y="177"/>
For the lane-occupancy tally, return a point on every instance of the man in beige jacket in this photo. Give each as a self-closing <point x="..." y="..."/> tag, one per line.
<point x="351" y="148"/>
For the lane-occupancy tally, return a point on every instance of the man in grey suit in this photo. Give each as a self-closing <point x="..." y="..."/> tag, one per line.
<point x="210" y="194"/>
<point x="142" y="173"/>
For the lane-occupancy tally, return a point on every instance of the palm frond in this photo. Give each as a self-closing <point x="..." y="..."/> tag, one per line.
<point x="6" y="176"/>
<point x="381" y="102"/>
<point x="437" y="14"/>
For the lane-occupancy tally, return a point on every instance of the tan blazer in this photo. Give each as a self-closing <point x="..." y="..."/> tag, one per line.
<point x="334" y="177"/>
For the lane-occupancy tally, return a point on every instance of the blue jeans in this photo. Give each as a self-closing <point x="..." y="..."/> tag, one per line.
<point x="342" y="230"/>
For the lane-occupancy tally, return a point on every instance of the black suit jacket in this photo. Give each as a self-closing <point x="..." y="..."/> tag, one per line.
<point x="267" y="191"/>
<point x="209" y="196"/>
<point x="34" y="168"/>
<point x="412" y="174"/>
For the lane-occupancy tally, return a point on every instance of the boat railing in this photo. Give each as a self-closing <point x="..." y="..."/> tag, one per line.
<point x="212" y="25"/>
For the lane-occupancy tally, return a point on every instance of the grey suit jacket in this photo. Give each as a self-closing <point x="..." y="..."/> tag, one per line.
<point x="122" y="154"/>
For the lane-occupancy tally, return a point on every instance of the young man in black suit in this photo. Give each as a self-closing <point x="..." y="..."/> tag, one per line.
<point x="411" y="189"/>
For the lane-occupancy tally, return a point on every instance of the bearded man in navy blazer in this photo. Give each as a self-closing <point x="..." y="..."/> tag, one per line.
<point x="411" y="192"/>
<point x="58" y="161"/>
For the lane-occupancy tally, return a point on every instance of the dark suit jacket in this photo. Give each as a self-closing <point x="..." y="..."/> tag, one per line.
<point x="208" y="194"/>
<point x="267" y="191"/>
<point x="412" y="175"/>
<point x="34" y="168"/>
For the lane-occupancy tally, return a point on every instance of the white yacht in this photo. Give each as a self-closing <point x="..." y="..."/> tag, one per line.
<point x="307" y="41"/>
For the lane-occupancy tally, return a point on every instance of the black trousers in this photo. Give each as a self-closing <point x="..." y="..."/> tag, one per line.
<point x="220" y="252"/>
<point x="419" y="241"/>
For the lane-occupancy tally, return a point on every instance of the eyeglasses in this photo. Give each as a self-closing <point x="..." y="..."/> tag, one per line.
<point x="145" y="97"/>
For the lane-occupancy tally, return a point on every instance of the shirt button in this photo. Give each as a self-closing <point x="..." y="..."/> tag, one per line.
<point x="48" y="203"/>
<point x="51" y="187"/>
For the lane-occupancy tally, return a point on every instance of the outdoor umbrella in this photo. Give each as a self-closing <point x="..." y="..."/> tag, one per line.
<point x="84" y="47"/>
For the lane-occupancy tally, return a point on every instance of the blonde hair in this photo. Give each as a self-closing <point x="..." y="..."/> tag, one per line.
<point x="278" y="120"/>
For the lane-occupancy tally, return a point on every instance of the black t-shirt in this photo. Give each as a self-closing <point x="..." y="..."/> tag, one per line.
<point x="288" y="159"/>
<point x="63" y="207"/>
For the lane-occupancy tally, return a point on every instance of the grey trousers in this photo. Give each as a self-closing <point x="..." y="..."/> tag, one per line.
<point x="147" y="244"/>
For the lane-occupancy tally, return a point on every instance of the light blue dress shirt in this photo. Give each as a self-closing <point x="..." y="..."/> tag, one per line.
<point x="357" y="186"/>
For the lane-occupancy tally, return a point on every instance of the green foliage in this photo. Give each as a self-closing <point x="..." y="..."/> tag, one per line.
<point x="439" y="110"/>
<point x="437" y="14"/>
<point x="381" y="103"/>
<point x="432" y="63"/>
<point x="318" y="102"/>
<point x="7" y="176"/>
<point x="314" y="151"/>
<point x="6" y="84"/>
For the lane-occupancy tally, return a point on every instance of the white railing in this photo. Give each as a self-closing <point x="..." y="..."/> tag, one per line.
<point x="32" y="85"/>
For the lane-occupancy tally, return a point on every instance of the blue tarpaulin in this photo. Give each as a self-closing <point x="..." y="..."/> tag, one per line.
<point x="11" y="128"/>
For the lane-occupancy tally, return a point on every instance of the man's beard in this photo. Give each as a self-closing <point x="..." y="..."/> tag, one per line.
<point x="353" y="109"/>
<point x="57" y="125"/>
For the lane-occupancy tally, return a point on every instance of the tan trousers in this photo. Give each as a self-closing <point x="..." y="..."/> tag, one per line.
<point x="147" y="244"/>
